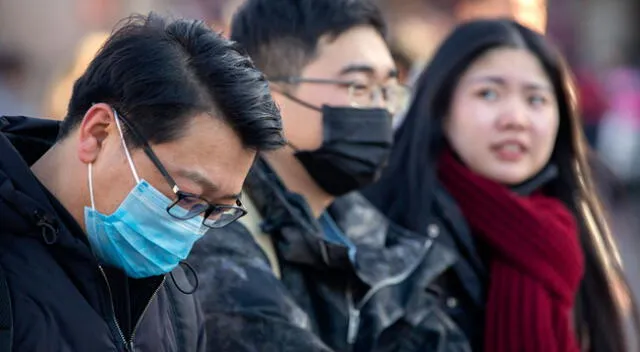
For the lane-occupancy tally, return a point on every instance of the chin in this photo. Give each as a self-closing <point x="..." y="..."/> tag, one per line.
<point x="509" y="178"/>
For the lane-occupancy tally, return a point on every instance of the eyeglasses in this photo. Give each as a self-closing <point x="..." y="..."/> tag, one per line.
<point x="187" y="205"/>
<point x="394" y="97"/>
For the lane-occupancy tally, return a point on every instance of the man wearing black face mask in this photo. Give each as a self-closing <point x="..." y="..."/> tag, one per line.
<point x="285" y="278"/>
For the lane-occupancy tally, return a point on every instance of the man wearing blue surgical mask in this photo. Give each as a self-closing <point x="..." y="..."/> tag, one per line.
<point x="161" y="131"/>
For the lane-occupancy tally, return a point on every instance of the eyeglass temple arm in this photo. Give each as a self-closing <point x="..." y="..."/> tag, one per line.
<point x="154" y="159"/>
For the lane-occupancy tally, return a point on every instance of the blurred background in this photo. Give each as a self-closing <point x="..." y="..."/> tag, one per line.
<point x="45" y="46"/>
<point x="43" y="42"/>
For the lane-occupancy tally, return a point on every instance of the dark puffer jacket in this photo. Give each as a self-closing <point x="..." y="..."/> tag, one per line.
<point x="403" y="292"/>
<point x="61" y="300"/>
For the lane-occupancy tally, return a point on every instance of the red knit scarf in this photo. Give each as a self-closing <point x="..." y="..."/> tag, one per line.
<point x="535" y="257"/>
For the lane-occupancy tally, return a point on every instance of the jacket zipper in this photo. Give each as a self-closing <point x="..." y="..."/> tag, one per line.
<point x="128" y="345"/>
<point x="354" y="319"/>
<point x="133" y="333"/>
<point x="113" y="310"/>
<point x="354" y="309"/>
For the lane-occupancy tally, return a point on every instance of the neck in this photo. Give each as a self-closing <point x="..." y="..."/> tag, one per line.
<point x="298" y="180"/>
<point x="53" y="172"/>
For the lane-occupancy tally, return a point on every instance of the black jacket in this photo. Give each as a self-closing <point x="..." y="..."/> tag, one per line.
<point x="406" y="292"/>
<point x="60" y="298"/>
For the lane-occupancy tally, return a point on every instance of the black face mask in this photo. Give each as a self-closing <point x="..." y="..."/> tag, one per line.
<point x="355" y="149"/>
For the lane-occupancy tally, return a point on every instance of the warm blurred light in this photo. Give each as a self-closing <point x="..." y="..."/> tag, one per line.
<point x="531" y="13"/>
<point x="467" y="10"/>
<point x="60" y="94"/>
<point x="418" y="39"/>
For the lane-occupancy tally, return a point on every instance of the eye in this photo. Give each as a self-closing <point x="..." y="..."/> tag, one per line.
<point x="488" y="94"/>
<point x="537" y="100"/>
<point x="216" y="213"/>
<point x="359" y="89"/>
<point x="188" y="200"/>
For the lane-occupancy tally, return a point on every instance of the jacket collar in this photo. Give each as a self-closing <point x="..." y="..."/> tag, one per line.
<point x="32" y="210"/>
<point x="29" y="210"/>
<point x="383" y="250"/>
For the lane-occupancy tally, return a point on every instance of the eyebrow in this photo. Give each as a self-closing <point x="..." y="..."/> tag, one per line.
<point x="502" y="82"/>
<point x="208" y="187"/>
<point x="365" y="68"/>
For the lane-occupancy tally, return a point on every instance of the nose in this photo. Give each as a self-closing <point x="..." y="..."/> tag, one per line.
<point x="513" y="115"/>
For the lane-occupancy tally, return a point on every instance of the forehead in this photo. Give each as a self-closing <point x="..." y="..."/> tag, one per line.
<point x="211" y="148"/>
<point x="509" y="64"/>
<point x="362" y="46"/>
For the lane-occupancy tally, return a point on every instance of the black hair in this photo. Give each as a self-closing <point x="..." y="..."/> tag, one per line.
<point x="160" y="74"/>
<point x="282" y="36"/>
<point x="405" y="190"/>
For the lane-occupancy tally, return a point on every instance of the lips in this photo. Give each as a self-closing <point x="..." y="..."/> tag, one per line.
<point x="509" y="150"/>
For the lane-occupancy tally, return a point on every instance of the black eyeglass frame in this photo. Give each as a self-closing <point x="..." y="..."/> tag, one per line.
<point x="181" y="195"/>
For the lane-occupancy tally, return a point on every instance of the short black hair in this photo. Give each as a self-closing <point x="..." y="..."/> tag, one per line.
<point x="282" y="36"/>
<point x="160" y="73"/>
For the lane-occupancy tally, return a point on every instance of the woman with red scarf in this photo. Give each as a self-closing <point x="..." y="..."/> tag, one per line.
<point x="492" y="147"/>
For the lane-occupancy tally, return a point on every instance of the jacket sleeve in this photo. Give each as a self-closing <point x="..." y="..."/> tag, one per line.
<point x="246" y="307"/>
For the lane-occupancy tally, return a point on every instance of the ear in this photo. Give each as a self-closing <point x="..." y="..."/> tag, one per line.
<point x="96" y="125"/>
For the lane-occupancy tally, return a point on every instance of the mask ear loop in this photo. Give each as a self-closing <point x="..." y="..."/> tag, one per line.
<point x="126" y="152"/>
<point x="195" y="276"/>
<point x="124" y="145"/>
<point x="297" y="101"/>
<point x="93" y="203"/>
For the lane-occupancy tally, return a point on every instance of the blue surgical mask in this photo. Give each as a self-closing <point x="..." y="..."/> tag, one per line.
<point x="140" y="237"/>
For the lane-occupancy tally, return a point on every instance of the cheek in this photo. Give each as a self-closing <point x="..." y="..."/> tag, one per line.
<point x="303" y="125"/>
<point x="326" y="94"/>
<point x="112" y="183"/>
<point x="468" y="129"/>
<point x="546" y="132"/>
